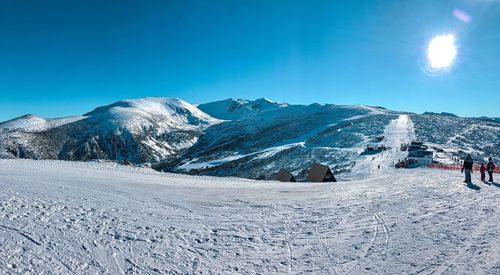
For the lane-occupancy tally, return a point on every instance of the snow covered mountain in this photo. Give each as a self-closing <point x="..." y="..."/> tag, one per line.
<point x="234" y="109"/>
<point x="293" y="138"/>
<point x="34" y="123"/>
<point x="244" y="138"/>
<point x="139" y="130"/>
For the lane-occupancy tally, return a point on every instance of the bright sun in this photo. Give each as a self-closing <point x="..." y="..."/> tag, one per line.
<point x="441" y="51"/>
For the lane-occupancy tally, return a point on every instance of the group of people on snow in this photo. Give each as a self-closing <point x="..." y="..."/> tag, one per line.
<point x="468" y="169"/>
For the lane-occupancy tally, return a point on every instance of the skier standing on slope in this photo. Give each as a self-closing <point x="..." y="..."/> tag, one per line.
<point x="468" y="168"/>
<point x="483" y="172"/>
<point x="490" y="167"/>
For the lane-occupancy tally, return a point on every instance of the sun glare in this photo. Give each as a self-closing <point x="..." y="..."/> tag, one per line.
<point x="441" y="51"/>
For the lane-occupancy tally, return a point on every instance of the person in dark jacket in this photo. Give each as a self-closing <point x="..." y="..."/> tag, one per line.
<point x="483" y="172"/>
<point x="467" y="167"/>
<point x="490" y="167"/>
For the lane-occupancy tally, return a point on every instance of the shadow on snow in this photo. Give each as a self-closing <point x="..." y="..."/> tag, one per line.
<point x="473" y="186"/>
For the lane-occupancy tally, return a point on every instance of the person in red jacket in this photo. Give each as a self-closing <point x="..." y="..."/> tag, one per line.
<point x="483" y="172"/>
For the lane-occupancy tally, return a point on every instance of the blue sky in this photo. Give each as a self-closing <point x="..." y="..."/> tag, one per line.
<point x="65" y="57"/>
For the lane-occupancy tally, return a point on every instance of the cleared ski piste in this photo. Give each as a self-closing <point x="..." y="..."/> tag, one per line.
<point x="399" y="131"/>
<point x="73" y="217"/>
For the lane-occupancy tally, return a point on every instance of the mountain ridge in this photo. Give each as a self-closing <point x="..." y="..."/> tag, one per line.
<point x="231" y="108"/>
<point x="234" y="137"/>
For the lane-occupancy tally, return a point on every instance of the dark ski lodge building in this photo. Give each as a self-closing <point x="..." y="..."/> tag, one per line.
<point x="285" y="176"/>
<point x="320" y="173"/>
<point x="418" y="155"/>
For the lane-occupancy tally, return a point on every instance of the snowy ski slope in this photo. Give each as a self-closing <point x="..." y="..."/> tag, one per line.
<point x="397" y="132"/>
<point x="73" y="217"/>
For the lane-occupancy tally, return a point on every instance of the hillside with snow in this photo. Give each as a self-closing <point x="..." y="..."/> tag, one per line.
<point x="74" y="217"/>
<point x="34" y="123"/>
<point x="139" y="130"/>
<point x="235" y="109"/>
<point x="91" y="215"/>
<point x="244" y="138"/>
<point x="291" y="138"/>
<point x="456" y="136"/>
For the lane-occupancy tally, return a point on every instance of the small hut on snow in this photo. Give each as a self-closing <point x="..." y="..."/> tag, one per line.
<point x="285" y="176"/>
<point x="320" y="173"/>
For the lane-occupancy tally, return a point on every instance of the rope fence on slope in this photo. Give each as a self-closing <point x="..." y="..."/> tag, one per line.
<point x="476" y="167"/>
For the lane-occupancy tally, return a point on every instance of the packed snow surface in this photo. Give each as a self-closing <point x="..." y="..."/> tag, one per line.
<point x="73" y="217"/>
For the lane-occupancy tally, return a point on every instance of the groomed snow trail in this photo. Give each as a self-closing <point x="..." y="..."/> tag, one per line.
<point x="69" y="217"/>
<point x="397" y="132"/>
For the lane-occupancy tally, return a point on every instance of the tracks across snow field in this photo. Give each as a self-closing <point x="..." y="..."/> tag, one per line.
<point x="68" y="217"/>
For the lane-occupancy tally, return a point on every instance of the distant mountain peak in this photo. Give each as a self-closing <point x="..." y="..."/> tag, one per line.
<point x="35" y="123"/>
<point x="263" y="99"/>
<point x="440" y="114"/>
<point x="234" y="109"/>
<point x="161" y="113"/>
<point x="145" y="104"/>
<point x="489" y="119"/>
<point x="30" y="116"/>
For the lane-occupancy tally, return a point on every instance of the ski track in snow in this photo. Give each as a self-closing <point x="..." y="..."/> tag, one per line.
<point x="73" y="217"/>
